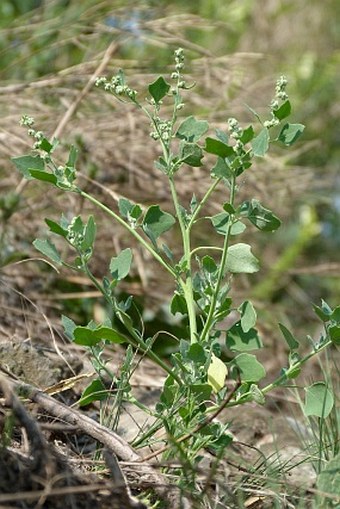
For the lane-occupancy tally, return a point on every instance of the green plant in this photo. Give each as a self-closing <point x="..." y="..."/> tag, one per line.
<point x="196" y="388"/>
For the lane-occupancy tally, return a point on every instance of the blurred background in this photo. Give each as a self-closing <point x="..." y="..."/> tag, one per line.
<point x="235" y="50"/>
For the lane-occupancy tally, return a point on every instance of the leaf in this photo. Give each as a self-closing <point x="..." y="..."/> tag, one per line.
<point x="324" y="312"/>
<point x="209" y="264"/>
<point x="259" y="216"/>
<point x="156" y="222"/>
<point x="48" y="249"/>
<point x="201" y="391"/>
<point x="89" y="234"/>
<point x="221" y="169"/>
<point x="240" y="341"/>
<point x="248" y="135"/>
<point x="124" y="206"/>
<point x="248" y="316"/>
<point x="88" y="336"/>
<point x="260" y="144"/>
<point x="120" y="265"/>
<point x="158" y="89"/>
<point x="292" y="343"/>
<point x="95" y="391"/>
<point x="191" y="154"/>
<point x="56" y="228"/>
<point x="217" y="373"/>
<point x="178" y="305"/>
<point x="69" y="326"/>
<point x="257" y="394"/>
<point x="249" y="369"/>
<point x="217" y="147"/>
<point x="191" y="129"/>
<point x="290" y="133"/>
<point x="196" y="353"/>
<point x="221" y="222"/>
<point x="237" y="228"/>
<point x="241" y="259"/>
<point x="283" y="111"/>
<point x="26" y="163"/>
<point x="336" y="315"/>
<point x="44" y="176"/>
<point x="334" y="333"/>
<point x="319" y="400"/>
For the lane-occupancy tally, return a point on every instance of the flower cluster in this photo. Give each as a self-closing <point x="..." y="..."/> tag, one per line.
<point x="116" y="86"/>
<point x="179" y="66"/>
<point x="164" y="128"/>
<point x="280" y="95"/>
<point x="37" y="135"/>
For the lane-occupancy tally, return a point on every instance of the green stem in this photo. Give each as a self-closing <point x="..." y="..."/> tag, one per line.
<point x="133" y="232"/>
<point x="203" y="202"/>
<point x="137" y="341"/>
<point x="302" y="361"/>
<point x="210" y="317"/>
<point x="187" y="286"/>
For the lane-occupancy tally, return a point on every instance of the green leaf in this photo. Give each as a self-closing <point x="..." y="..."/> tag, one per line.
<point x="191" y="129"/>
<point x="257" y="394"/>
<point x="260" y="144"/>
<point x="324" y="312"/>
<point x="45" y="145"/>
<point x="191" y="154"/>
<point x="319" y="400"/>
<point x="237" y="228"/>
<point x="56" y="228"/>
<point x="290" y="133"/>
<point x="48" y="249"/>
<point x="156" y="222"/>
<point x="292" y="343"/>
<point x="124" y="207"/>
<point x="44" y="176"/>
<point x="158" y="89"/>
<point x="217" y="373"/>
<point x="248" y="135"/>
<point x="336" y="315"/>
<point x="241" y="259"/>
<point x="218" y="148"/>
<point x="178" y="305"/>
<point x="221" y="169"/>
<point x="120" y="265"/>
<point x="209" y="264"/>
<point x="220" y="222"/>
<point x="95" y="391"/>
<point x="283" y="111"/>
<point x="239" y="341"/>
<point x="69" y="326"/>
<point x="259" y="216"/>
<point x="88" y="336"/>
<point x="197" y="354"/>
<point x="201" y="391"/>
<point x="249" y="369"/>
<point x="89" y="234"/>
<point x="334" y="333"/>
<point x="248" y="316"/>
<point x="26" y="163"/>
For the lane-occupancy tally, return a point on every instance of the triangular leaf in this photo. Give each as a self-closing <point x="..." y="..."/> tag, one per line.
<point x="120" y="265"/>
<point x="291" y="341"/>
<point x="248" y="316"/>
<point x="48" y="249"/>
<point x="290" y="133"/>
<point x="283" y="111"/>
<point x="191" y="129"/>
<point x="259" y="216"/>
<point x="26" y="163"/>
<point x="241" y="259"/>
<point x="157" y="222"/>
<point x="218" y="148"/>
<point x="240" y="341"/>
<point x="260" y="144"/>
<point x="249" y="369"/>
<point x="158" y="89"/>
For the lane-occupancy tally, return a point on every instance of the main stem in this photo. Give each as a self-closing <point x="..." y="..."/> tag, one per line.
<point x="186" y="285"/>
<point x="210" y="317"/>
